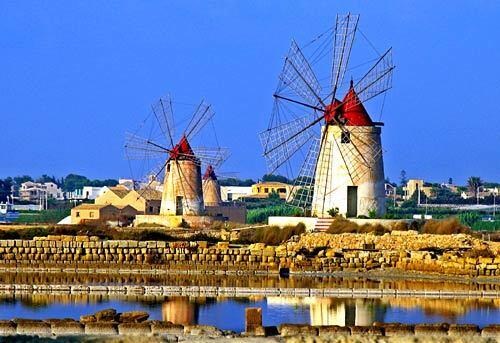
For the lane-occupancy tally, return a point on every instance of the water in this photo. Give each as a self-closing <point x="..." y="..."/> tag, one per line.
<point x="228" y="313"/>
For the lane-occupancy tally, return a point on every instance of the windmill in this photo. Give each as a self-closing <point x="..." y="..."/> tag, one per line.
<point x="211" y="185"/>
<point x="335" y="141"/>
<point x="176" y="158"/>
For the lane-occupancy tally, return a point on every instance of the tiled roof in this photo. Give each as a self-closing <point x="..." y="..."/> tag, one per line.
<point x="119" y="191"/>
<point x="90" y="207"/>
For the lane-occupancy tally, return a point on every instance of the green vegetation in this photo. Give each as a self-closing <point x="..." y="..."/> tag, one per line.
<point x="333" y="212"/>
<point x="74" y="181"/>
<point x="260" y="215"/>
<point x="271" y="235"/>
<point x="236" y="182"/>
<point x="50" y="216"/>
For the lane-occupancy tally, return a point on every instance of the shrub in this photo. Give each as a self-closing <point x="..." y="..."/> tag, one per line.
<point x="271" y="235"/>
<point x="444" y="227"/>
<point x="400" y="226"/>
<point x="333" y="212"/>
<point x="372" y="213"/>
<point x="342" y="225"/>
<point x="474" y="253"/>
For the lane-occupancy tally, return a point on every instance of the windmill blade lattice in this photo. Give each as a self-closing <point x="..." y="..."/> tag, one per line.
<point x="298" y="75"/>
<point x="301" y="194"/>
<point x="377" y="80"/>
<point x="280" y="143"/>
<point x="345" y="31"/>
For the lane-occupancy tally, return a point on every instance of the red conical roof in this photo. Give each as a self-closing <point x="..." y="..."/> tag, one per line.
<point x="350" y="111"/>
<point x="353" y="110"/>
<point x="209" y="174"/>
<point x="182" y="150"/>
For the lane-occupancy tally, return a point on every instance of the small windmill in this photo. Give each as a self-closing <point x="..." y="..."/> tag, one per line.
<point x="179" y="161"/>
<point x="337" y="140"/>
<point x="211" y="185"/>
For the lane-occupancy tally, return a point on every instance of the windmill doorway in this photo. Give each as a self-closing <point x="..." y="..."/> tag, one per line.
<point x="179" y="209"/>
<point x="352" y="201"/>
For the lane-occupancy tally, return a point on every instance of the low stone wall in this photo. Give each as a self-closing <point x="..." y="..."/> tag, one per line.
<point x="309" y="255"/>
<point x="89" y="325"/>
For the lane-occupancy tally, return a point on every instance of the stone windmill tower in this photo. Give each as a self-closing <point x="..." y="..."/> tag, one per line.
<point x="211" y="188"/>
<point x="180" y="163"/>
<point x="342" y="165"/>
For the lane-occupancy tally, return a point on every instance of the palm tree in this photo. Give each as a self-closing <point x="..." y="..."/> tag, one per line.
<point x="473" y="183"/>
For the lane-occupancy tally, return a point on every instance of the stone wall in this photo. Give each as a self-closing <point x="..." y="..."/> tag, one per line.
<point x="144" y="329"/>
<point x="310" y="254"/>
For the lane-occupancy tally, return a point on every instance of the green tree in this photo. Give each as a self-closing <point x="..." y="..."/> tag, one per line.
<point x="74" y="181"/>
<point x="45" y="178"/>
<point x="5" y="189"/>
<point x="22" y="178"/>
<point x="403" y="180"/>
<point x="236" y="182"/>
<point x="473" y="184"/>
<point x="275" y="178"/>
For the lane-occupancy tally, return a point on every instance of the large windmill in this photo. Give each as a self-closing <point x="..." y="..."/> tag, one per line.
<point x="179" y="162"/>
<point x="337" y="141"/>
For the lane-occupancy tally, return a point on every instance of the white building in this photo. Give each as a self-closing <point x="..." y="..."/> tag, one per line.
<point x="36" y="191"/>
<point x="231" y="193"/>
<point x="86" y="193"/>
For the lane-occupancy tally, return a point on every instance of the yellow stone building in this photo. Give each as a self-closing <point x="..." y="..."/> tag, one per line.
<point x="144" y="201"/>
<point x="117" y="203"/>
<point x="93" y="212"/>
<point x="263" y="189"/>
<point x="413" y="185"/>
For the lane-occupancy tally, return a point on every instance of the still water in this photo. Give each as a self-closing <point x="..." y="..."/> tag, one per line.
<point x="228" y="313"/>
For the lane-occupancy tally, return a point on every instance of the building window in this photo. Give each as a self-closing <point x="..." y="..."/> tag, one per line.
<point x="77" y="214"/>
<point x="281" y="190"/>
<point x="91" y="214"/>
<point x="150" y="209"/>
<point x="266" y="190"/>
<point x="345" y="137"/>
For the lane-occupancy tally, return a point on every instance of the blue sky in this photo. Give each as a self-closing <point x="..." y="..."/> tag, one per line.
<point x="75" y="76"/>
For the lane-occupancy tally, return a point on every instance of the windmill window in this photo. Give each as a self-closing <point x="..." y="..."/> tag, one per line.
<point x="168" y="168"/>
<point x="345" y="137"/>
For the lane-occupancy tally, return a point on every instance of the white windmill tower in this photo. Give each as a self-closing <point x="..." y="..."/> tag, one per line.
<point x="340" y="144"/>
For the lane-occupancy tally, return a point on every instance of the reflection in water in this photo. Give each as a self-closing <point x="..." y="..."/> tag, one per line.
<point x="228" y="313"/>
<point x="179" y="310"/>
<point x="335" y="311"/>
<point x="237" y="281"/>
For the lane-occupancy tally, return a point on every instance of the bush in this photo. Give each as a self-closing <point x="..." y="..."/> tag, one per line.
<point x="475" y="253"/>
<point x="400" y="226"/>
<point x="271" y="235"/>
<point x="444" y="227"/>
<point x="342" y="225"/>
<point x="333" y="212"/>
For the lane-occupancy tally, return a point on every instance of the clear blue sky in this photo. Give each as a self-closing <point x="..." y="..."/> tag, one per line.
<point x="75" y="75"/>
